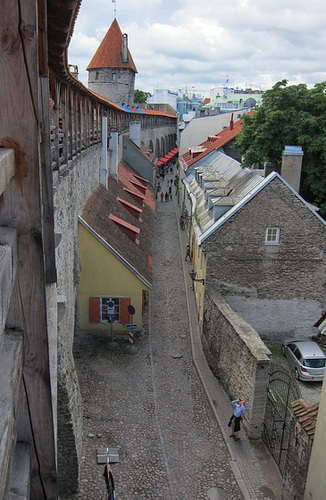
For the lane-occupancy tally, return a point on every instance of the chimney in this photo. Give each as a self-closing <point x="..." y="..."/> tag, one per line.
<point x="231" y="122"/>
<point x="73" y="68"/>
<point x="292" y="165"/>
<point x="124" y="56"/>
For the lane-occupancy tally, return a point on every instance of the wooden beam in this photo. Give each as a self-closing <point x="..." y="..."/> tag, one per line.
<point x="21" y="208"/>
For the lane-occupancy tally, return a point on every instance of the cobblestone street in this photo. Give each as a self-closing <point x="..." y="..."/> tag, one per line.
<point x="151" y="405"/>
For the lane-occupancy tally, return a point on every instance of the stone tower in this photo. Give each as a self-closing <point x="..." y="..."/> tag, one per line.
<point x="111" y="72"/>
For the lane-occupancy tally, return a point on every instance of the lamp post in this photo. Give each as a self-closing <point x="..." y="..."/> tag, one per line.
<point x="192" y="274"/>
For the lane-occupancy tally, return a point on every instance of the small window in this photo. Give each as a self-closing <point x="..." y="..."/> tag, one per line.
<point x="97" y="74"/>
<point x="104" y="309"/>
<point x="272" y="236"/>
<point x="114" y="76"/>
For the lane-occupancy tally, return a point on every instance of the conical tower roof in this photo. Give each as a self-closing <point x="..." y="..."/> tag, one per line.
<point x="108" y="55"/>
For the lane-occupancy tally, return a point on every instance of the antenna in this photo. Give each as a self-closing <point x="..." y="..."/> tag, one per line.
<point x="115" y="8"/>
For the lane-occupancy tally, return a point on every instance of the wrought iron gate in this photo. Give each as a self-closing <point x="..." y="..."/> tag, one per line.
<point x="282" y="390"/>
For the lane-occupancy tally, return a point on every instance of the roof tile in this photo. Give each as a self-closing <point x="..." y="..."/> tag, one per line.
<point x="104" y="202"/>
<point x="306" y="415"/>
<point x="108" y="54"/>
<point x="213" y="142"/>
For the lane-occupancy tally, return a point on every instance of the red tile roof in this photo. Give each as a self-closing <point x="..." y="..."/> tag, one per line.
<point x="112" y="214"/>
<point x="108" y="54"/>
<point x="213" y="142"/>
<point x="306" y="415"/>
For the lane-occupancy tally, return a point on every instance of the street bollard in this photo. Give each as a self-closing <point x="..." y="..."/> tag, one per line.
<point x="131" y="349"/>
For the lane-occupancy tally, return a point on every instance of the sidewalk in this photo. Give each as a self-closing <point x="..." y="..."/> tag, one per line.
<point x="252" y="465"/>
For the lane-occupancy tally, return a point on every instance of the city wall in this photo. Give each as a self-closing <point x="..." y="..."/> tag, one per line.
<point x="71" y="190"/>
<point x="237" y="357"/>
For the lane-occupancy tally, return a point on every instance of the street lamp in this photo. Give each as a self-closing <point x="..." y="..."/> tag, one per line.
<point x="193" y="277"/>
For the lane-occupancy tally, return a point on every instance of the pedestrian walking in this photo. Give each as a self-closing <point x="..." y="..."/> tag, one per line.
<point x="188" y="253"/>
<point x="235" y="419"/>
<point x="107" y="474"/>
<point x="162" y="196"/>
<point x="166" y="196"/>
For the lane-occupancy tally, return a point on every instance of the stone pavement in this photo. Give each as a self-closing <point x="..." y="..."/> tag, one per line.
<point x="162" y="408"/>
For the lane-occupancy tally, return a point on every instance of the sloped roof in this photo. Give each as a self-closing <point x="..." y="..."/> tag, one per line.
<point x="306" y="415"/>
<point x="108" y="54"/>
<point x="220" y="179"/>
<point x="114" y="223"/>
<point x="213" y="142"/>
<point x="247" y="197"/>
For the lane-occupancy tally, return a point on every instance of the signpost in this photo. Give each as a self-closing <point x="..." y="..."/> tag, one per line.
<point x="111" y="313"/>
<point x="131" y="349"/>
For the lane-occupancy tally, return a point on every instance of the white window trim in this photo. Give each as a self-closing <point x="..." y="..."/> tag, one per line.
<point x="275" y="231"/>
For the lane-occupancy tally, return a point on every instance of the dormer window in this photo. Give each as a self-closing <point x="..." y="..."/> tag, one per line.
<point x="272" y="236"/>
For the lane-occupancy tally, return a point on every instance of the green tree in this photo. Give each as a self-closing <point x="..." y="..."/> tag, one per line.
<point x="141" y="96"/>
<point x="290" y="116"/>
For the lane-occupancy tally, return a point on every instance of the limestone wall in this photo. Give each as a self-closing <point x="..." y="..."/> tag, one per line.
<point x="71" y="191"/>
<point x="297" y="462"/>
<point x="115" y="84"/>
<point x="279" y="289"/>
<point x="237" y="357"/>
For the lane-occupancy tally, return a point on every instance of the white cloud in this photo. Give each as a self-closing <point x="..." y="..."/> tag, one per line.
<point x="179" y="43"/>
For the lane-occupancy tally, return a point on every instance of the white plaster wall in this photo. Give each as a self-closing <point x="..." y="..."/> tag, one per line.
<point x="278" y="319"/>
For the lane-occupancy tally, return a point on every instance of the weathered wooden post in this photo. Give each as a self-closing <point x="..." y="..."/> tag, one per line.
<point x="27" y="206"/>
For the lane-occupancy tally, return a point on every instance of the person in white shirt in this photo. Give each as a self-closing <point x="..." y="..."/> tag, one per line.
<point x="239" y="408"/>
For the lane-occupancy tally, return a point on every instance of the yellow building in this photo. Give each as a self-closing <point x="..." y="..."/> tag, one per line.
<point x="199" y="268"/>
<point x="115" y="237"/>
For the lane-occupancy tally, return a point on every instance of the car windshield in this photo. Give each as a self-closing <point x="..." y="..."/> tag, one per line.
<point x="315" y="363"/>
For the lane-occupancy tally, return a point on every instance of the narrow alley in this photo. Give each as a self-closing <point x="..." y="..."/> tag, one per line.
<point x="151" y="406"/>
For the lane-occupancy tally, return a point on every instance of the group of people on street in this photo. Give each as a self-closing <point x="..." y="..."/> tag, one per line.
<point x="167" y="195"/>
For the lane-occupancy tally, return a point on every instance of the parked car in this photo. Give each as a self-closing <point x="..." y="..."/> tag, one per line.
<point x="306" y="358"/>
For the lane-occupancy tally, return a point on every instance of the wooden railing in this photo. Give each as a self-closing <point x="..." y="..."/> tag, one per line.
<point x="76" y="120"/>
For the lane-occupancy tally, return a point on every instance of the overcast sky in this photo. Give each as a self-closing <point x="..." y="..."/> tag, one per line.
<point x="200" y="44"/>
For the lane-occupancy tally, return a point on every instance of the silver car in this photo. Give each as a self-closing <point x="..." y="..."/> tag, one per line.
<point x="306" y="358"/>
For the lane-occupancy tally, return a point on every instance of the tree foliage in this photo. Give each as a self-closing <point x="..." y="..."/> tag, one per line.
<point x="141" y="96"/>
<point x="290" y="116"/>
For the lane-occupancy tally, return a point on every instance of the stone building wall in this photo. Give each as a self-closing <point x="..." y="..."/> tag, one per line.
<point x="133" y="156"/>
<point x="119" y="89"/>
<point x="297" y="458"/>
<point x="269" y="284"/>
<point x="237" y="357"/>
<point x="71" y="191"/>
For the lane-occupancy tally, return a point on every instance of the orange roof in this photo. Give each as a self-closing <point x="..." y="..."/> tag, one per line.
<point x="213" y="142"/>
<point x="108" y="55"/>
<point x="306" y="415"/>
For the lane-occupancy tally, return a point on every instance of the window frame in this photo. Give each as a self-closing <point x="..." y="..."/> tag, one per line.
<point x="272" y="236"/>
<point x="104" y="308"/>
